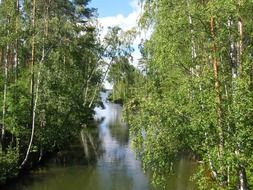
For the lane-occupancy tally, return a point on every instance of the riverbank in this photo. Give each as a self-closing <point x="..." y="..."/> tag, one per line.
<point x="10" y="170"/>
<point x="100" y="158"/>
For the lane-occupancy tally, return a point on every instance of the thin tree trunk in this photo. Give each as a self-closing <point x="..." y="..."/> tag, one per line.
<point x="33" y="103"/>
<point x="194" y="55"/>
<point x="93" y="97"/>
<point x="1" y="61"/>
<point x="243" y="184"/>
<point x="233" y="52"/>
<point x="217" y="88"/>
<point x="33" y="121"/>
<point x="6" y="58"/>
<point x="218" y="103"/>
<point x="87" y="85"/>
<point x="16" y="60"/>
<point x="86" y="92"/>
<point x="240" y="48"/>
<point x="47" y="2"/>
<point x="44" y="54"/>
<point x="97" y="86"/>
<point x="4" y="96"/>
<point x="193" y="45"/>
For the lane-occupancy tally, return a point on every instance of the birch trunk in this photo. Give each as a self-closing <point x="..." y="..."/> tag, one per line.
<point x="243" y="184"/>
<point x="6" y="58"/>
<point x="240" y="46"/>
<point x="33" y="104"/>
<point x="1" y="61"/>
<point x="4" y="96"/>
<point x="242" y="178"/>
<point x="217" y="88"/>
<point x="215" y="64"/>
<point x="196" y="73"/>
<point x="103" y="79"/>
<point x="45" y="36"/>
<point x="16" y="60"/>
<point x="233" y="52"/>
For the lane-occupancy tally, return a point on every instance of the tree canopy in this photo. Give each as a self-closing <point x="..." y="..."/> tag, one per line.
<point x="49" y="57"/>
<point x="196" y="93"/>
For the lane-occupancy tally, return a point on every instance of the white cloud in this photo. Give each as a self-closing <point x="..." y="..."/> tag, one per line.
<point x="124" y="22"/>
<point x="135" y="4"/>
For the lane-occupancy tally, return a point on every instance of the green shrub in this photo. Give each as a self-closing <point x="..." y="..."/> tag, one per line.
<point x="8" y="165"/>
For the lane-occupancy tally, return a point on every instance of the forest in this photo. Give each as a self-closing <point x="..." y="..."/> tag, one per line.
<point x="195" y="92"/>
<point x="190" y="94"/>
<point x="50" y="76"/>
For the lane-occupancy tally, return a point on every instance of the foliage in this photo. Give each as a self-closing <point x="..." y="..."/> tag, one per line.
<point x="49" y="56"/>
<point x="8" y="165"/>
<point x="196" y="92"/>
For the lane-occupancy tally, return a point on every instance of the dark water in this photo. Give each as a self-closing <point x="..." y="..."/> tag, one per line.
<point x="101" y="160"/>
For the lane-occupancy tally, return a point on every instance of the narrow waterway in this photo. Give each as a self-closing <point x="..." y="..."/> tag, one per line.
<point x="100" y="160"/>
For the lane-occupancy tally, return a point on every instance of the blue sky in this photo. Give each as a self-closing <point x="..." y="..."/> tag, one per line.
<point x="112" y="7"/>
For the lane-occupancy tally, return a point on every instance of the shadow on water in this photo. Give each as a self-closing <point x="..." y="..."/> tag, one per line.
<point x="100" y="159"/>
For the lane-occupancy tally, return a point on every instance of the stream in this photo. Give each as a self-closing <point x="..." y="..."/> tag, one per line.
<point x="101" y="159"/>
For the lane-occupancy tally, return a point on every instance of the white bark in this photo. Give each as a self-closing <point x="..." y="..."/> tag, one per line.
<point x="34" y="112"/>
<point x="242" y="172"/>
<point x="242" y="178"/>
<point x="93" y="97"/>
<point x="4" y="94"/>
<point x="194" y="54"/>
<point x="103" y="79"/>
<point x="44" y="54"/>
<point x="240" y="28"/>
<point x="33" y="102"/>
<point x="16" y="61"/>
<point x="232" y="53"/>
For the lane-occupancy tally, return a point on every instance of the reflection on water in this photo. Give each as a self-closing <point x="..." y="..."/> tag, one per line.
<point x="117" y="167"/>
<point x="101" y="160"/>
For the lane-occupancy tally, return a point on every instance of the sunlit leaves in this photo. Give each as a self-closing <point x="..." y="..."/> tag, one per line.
<point x="179" y="95"/>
